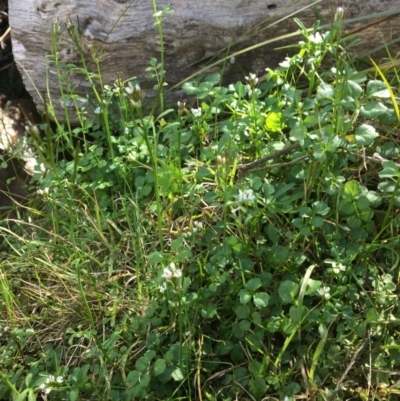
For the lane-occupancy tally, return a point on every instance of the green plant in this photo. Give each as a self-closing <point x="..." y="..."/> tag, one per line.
<point x="272" y="270"/>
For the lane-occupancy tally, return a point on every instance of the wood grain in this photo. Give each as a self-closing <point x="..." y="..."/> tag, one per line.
<point x="123" y="32"/>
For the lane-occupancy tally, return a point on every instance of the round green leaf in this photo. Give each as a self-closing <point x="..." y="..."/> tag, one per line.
<point x="253" y="284"/>
<point x="261" y="299"/>
<point x="159" y="366"/>
<point x="365" y="134"/>
<point x="287" y="291"/>
<point x="378" y="89"/>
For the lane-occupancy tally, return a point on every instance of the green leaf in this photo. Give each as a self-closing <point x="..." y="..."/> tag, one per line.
<point x="73" y="394"/>
<point x="325" y="91"/>
<point x="366" y="214"/>
<point x="371" y="314"/>
<point x="214" y="78"/>
<point x="142" y="364"/>
<point x="258" y="387"/>
<point x="386" y="186"/>
<point x="389" y="170"/>
<point x="362" y="203"/>
<point x="177" y="375"/>
<point x="28" y="379"/>
<point x="389" y="118"/>
<point x="159" y="366"/>
<point x="209" y="311"/>
<point x="353" y="89"/>
<point x="321" y="208"/>
<point x="155" y="258"/>
<point x="297" y="313"/>
<point x="373" y="109"/>
<point x="133" y="377"/>
<point x="273" y="234"/>
<point x="354" y="222"/>
<point x="244" y="296"/>
<point x="365" y="134"/>
<point x="305" y="212"/>
<point x="31" y="396"/>
<point x="245" y="325"/>
<point x="22" y="396"/>
<point x="378" y="89"/>
<point x="242" y="311"/>
<point x="287" y="291"/>
<point x="346" y="207"/>
<point x="190" y="88"/>
<point x="223" y="347"/>
<point x="351" y="188"/>
<point x="305" y="231"/>
<point x="312" y="286"/>
<point x="273" y="122"/>
<point x="253" y="284"/>
<point x="256" y="368"/>
<point x="317" y="221"/>
<point x="261" y="299"/>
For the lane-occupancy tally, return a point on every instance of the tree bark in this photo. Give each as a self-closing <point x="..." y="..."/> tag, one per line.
<point x="195" y="35"/>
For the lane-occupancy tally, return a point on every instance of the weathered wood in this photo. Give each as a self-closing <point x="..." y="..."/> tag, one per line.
<point x="124" y="32"/>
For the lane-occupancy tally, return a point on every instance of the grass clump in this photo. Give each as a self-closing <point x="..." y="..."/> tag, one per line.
<point x="241" y="247"/>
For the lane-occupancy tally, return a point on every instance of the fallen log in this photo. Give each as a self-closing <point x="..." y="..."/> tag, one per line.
<point x="194" y="36"/>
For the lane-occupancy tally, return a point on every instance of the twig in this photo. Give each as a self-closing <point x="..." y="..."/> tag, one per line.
<point x="243" y="168"/>
<point x="376" y="158"/>
<point x="6" y="66"/>
<point x="294" y="161"/>
<point x="4" y="37"/>
<point x="350" y="365"/>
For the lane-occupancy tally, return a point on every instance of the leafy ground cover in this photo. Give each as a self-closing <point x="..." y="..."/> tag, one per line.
<point x="241" y="247"/>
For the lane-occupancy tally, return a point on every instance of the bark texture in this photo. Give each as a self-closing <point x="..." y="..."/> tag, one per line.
<point x="197" y="33"/>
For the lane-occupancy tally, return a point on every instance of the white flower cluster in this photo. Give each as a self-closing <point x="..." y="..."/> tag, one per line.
<point x="246" y="196"/>
<point x="196" y="112"/>
<point x="337" y="267"/>
<point x="50" y="383"/>
<point x="252" y="79"/>
<point x="171" y="272"/>
<point x="316" y="39"/>
<point x="324" y="292"/>
<point x="339" y="14"/>
<point x="197" y="225"/>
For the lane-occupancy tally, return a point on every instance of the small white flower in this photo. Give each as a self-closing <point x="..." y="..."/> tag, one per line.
<point x="167" y="274"/>
<point x="317" y="38"/>
<point x="97" y="110"/>
<point x="50" y="379"/>
<point x="42" y="386"/>
<point x="181" y="107"/>
<point x="6" y="328"/>
<point x="129" y="89"/>
<point x="197" y="225"/>
<point x="59" y="379"/>
<point x="177" y="273"/>
<point x="339" y="14"/>
<point x="337" y="267"/>
<point x="252" y="79"/>
<point x="324" y="292"/>
<point x="196" y="112"/>
<point x="232" y="60"/>
<point x="162" y="288"/>
<point x="246" y="196"/>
